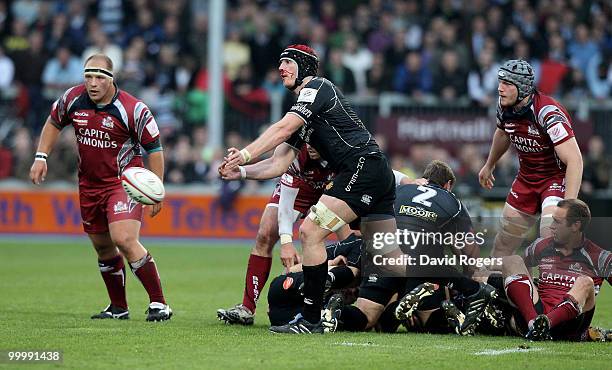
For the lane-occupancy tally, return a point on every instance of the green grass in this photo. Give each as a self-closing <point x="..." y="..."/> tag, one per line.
<point x="49" y="290"/>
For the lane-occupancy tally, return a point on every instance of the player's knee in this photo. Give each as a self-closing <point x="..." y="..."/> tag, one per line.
<point x="325" y="218"/>
<point x="510" y="264"/>
<point x="585" y="283"/>
<point x="266" y="237"/>
<point x="124" y="239"/>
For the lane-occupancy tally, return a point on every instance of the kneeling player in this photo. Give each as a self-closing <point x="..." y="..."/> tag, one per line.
<point x="431" y="208"/>
<point x="285" y="295"/>
<point x="572" y="269"/>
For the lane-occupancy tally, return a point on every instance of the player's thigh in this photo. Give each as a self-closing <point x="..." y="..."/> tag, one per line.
<point x="516" y="222"/>
<point x="370" y="309"/>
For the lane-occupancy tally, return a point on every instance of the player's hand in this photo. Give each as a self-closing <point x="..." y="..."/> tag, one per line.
<point x="486" y="178"/>
<point x="38" y="172"/>
<point x="155" y="208"/>
<point x="233" y="159"/>
<point x="229" y="174"/>
<point x="289" y="256"/>
<point x="338" y="261"/>
<point x="421" y="181"/>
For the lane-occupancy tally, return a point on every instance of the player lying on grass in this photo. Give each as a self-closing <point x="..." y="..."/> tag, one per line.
<point x="420" y="209"/>
<point x="285" y="292"/>
<point x="304" y="175"/>
<point x="540" y="129"/>
<point x="572" y="269"/>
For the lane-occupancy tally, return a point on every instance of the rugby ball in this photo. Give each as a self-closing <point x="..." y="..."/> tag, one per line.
<point x="142" y="185"/>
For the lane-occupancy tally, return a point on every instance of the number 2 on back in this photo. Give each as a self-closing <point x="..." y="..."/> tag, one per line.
<point x="422" y="198"/>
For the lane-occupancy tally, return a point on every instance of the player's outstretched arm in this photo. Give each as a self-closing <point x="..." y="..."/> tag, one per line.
<point x="269" y="168"/>
<point x="569" y="153"/>
<point x="286" y="218"/>
<point x="48" y="138"/>
<point x="501" y="143"/>
<point x="156" y="165"/>
<point x="271" y="138"/>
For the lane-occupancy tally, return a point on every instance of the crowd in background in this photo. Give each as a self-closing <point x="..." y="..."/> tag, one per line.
<point x="430" y="51"/>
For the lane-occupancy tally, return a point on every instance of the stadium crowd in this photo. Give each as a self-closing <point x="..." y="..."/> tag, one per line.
<point x="430" y="51"/>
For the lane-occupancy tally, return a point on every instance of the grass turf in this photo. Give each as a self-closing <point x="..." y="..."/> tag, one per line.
<point x="49" y="290"/>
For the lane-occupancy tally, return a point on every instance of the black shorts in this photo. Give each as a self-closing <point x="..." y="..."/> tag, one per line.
<point x="284" y="298"/>
<point x="380" y="289"/>
<point x="366" y="183"/>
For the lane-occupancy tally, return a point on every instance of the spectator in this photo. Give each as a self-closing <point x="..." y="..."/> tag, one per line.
<point x="358" y="59"/>
<point x="379" y="77"/>
<point x="236" y="53"/>
<point x="101" y="44"/>
<point x="61" y="72"/>
<point x="413" y="78"/>
<point x="7" y="71"/>
<point x="597" y="167"/>
<point x="599" y="71"/>
<point x="337" y="72"/>
<point x="482" y="80"/>
<point x="582" y="48"/>
<point x="450" y="81"/>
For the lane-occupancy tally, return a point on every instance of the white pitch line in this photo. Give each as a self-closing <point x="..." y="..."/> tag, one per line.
<point x="497" y="352"/>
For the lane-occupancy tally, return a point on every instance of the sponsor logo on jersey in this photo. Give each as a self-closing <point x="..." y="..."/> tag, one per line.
<point x="152" y="128"/>
<point x="301" y="108"/>
<point x="107" y="122"/>
<point x="95" y="138"/>
<point x="533" y="131"/>
<point x="575" y="267"/>
<point x="557" y="132"/>
<point x="287" y="283"/>
<point x="120" y="207"/>
<point x="545" y="266"/>
<point x="307" y="95"/>
<point x="80" y="122"/>
<point x="372" y="278"/>
<point x="329" y="185"/>
<point x="525" y="144"/>
<point x="417" y="212"/>
<point x="287" y="179"/>
<point x="548" y="260"/>
<point x="365" y="198"/>
<point x="556" y="186"/>
<point x="355" y="175"/>
<point x="81" y="114"/>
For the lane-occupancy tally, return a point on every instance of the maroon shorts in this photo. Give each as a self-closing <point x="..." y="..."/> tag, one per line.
<point x="100" y="207"/>
<point x="306" y="198"/>
<point x="531" y="197"/>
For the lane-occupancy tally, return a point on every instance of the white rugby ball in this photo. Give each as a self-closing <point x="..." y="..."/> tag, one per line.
<point x="143" y="185"/>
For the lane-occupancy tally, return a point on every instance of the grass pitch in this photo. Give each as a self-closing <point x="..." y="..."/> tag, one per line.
<point x="49" y="290"/>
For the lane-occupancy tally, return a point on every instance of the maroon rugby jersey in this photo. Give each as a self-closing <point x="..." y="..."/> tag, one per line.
<point x="109" y="137"/>
<point x="305" y="171"/>
<point x="534" y="132"/>
<point x="558" y="273"/>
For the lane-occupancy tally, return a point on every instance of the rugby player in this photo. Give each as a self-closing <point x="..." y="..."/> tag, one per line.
<point x="540" y="129"/>
<point x="111" y="126"/>
<point x="420" y="209"/>
<point x="363" y="185"/>
<point x="572" y="269"/>
<point x="300" y="187"/>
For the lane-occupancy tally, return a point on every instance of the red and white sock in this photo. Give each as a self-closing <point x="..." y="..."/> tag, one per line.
<point x="520" y="291"/>
<point x="564" y="311"/>
<point x="258" y="270"/>
<point x="146" y="271"/>
<point x="113" y="274"/>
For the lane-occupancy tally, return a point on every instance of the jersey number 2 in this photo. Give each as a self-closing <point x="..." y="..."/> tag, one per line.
<point x="422" y="198"/>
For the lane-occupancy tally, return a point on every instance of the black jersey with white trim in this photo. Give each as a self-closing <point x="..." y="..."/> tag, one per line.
<point x="331" y="126"/>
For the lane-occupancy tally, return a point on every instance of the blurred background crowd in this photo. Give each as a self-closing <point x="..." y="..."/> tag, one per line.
<point x="430" y="52"/>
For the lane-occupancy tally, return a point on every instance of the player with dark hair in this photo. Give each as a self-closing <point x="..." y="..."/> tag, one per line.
<point x="420" y="209"/>
<point x="550" y="170"/>
<point x="363" y="185"/>
<point x="110" y="126"/>
<point x="572" y="269"/>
